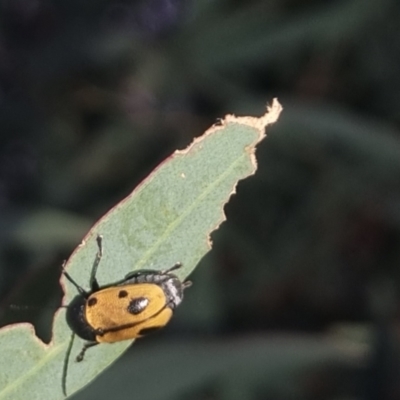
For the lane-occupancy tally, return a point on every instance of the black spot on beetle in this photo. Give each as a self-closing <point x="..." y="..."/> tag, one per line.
<point x="92" y="302"/>
<point x="122" y="294"/>
<point x="137" y="305"/>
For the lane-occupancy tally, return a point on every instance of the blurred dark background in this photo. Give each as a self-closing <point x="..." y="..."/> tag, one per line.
<point x="299" y="297"/>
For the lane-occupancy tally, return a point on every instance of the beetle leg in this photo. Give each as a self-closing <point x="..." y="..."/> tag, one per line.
<point x="173" y="268"/>
<point x="187" y="284"/>
<point x="86" y="346"/>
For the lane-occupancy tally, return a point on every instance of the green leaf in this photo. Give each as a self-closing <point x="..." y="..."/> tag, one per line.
<point x="168" y="218"/>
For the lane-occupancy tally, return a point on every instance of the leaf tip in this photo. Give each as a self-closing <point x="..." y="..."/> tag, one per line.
<point x="270" y="117"/>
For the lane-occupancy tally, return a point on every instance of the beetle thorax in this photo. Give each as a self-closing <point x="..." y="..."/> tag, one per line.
<point x="170" y="284"/>
<point x="173" y="290"/>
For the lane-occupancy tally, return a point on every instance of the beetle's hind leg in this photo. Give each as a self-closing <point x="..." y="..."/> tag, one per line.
<point x="173" y="268"/>
<point x="86" y="346"/>
<point x="187" y="284"/>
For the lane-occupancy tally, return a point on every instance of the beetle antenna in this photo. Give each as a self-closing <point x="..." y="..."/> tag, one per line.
<point x="94" y="285"/>
<point x="69" y="277"/>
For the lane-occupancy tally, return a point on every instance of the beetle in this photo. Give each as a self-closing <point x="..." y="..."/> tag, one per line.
<point x="140" y="303"/>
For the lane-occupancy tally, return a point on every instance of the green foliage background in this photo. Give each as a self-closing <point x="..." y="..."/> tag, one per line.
<point x="95" y="94"/>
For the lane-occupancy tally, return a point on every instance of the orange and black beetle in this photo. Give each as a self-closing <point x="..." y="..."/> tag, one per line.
<point x="140" y="303"/>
